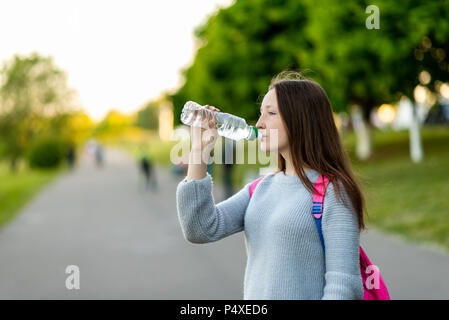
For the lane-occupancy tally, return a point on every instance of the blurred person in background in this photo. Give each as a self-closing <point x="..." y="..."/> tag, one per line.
<point x="147" y="169"/>
<point x="71" y="156"/>
<point x="99" y="155"/>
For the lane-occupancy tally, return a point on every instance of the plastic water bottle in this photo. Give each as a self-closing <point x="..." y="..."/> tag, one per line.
<point x="228" y="125"/>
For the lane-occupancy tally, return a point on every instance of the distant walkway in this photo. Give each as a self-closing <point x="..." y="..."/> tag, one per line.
<point x="126" y="241"/>
<point x="128" y="244"/>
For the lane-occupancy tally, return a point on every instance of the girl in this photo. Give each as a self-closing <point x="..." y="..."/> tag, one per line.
<point x="285" y="256"/>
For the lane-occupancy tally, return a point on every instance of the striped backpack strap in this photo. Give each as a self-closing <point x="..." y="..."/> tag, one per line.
<point x="318" y="200"/>
<point x="253" y="186"/>
<point x="377" y="292"/>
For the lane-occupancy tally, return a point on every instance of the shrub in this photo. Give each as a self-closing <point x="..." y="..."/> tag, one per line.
<point x="47" y="152"/>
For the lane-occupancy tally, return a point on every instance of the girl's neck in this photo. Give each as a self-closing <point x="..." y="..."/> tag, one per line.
<point x="289" y="168"/>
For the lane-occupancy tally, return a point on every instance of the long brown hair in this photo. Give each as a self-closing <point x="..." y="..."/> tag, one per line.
<point x="314" y="140"/>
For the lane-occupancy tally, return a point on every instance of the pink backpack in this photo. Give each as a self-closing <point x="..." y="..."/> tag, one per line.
<point x="372" y="291"/>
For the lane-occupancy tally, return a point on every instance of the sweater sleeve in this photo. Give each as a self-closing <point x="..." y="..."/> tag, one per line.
<point x="341" y="235"/>
<point x="201" y="220"/>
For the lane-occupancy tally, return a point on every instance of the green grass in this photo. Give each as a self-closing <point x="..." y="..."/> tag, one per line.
<point x="406" y="198"/>
<point x="16" y="189"/>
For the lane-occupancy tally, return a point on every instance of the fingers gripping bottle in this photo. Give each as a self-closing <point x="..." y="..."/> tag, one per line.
<point x="227" y="125"/>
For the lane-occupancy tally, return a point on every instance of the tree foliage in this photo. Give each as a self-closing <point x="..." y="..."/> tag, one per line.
<point x="33" y="92"/>
<point x="240" y="52"/>
<point x="243" y="46"/>
<point x="148" y="117"/>
<point x="368" y="67"/>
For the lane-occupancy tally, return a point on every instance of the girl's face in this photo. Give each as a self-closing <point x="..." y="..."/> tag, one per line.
<point x="271" y="126"/>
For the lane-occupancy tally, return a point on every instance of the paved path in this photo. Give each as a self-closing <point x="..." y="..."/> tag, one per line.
<point x="128" y="244"/>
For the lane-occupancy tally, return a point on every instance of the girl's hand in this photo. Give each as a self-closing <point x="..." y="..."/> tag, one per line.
<point x="204" y="137"/>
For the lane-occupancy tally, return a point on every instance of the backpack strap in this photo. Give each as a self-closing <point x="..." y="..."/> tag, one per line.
<point x="253" y="186"/>
<point x="318" y="200"/>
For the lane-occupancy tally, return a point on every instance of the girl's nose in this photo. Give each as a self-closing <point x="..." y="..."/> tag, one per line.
<point x="260" y="124"/>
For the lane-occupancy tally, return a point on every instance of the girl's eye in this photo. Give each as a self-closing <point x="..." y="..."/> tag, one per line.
<point x="270" y="113"/>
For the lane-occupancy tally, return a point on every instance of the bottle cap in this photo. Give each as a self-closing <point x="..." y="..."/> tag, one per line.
<point x="254" y="134"/>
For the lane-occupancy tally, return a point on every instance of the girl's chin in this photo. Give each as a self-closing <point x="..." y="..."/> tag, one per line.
<point x="264" y="148"/>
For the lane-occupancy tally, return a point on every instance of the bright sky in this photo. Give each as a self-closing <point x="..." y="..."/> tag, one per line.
<point x="117" y="54"/>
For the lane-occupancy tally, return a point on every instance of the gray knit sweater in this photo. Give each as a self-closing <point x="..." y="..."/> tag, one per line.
<point x="285" y="257"/>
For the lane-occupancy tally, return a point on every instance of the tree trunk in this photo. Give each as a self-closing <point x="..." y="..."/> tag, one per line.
<point x="13" y="165"/>
<point x="363" y="134"/>
<point x="416" y="150"/>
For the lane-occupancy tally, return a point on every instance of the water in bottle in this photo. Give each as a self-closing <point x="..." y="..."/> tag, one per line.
<point x="228" y="125"/>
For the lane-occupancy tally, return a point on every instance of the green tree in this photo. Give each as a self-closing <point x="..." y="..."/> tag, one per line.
<point x="367" y="67"/>
<point x="113" y="122"/>
<point x="240" y="49"/>
<point x="148" y="117"/>
<point x="33" y="91"/>
<point x="429" y="54"/>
